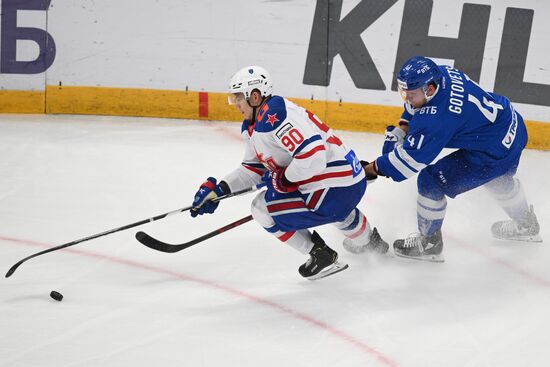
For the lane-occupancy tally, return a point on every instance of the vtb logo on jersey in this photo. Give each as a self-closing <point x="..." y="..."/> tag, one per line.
<point x="354" y="162"/>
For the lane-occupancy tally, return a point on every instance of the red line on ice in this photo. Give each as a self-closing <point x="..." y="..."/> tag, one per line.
<point x="510" y="266"/>
<point x="363" y="347"/>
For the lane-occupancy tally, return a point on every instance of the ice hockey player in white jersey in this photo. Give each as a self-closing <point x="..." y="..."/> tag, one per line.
<point x="312" y="178"/>
<point x="445" y="109"/>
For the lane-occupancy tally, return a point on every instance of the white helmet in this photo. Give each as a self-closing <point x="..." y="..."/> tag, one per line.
<point x="247" y="79"/>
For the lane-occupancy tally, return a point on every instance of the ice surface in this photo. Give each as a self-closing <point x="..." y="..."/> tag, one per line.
<point x="237" y="299"/>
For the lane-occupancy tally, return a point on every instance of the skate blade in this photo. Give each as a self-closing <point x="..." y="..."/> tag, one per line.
<point x="535" y="238"/>
<point x="431" y="258"/>
<point x="328" y="271"/>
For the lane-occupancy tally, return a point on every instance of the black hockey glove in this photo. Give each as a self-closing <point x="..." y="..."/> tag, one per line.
<point x="370" y="177"/>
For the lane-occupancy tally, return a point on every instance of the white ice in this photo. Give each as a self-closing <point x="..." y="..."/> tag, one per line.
<point x="237" y="299"/>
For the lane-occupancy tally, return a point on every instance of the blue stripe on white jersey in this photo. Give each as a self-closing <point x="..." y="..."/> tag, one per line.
<point x="337" y="163"/>
<point x="255" y="165"/>
<point x="306" y="143"/>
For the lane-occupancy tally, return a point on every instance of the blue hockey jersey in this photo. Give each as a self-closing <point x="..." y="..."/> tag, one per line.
<point x="460" y="115"/>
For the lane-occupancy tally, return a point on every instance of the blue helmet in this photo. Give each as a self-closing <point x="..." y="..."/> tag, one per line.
<point x="417" y="72"/>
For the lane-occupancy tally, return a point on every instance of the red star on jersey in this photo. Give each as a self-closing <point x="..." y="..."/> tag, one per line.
<point x="272" y="119"/>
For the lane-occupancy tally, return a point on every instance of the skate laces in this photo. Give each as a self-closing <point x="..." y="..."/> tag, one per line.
<point x="510" y="227"/>
<point x="529" y="226"/>
<point x="413" y="240"/>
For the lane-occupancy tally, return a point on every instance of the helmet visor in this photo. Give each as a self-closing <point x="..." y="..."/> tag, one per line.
<point x="402" y="89"/>
<point x="411" y="93"/>
<point x="231" y="98"/>
<point x="234" y="98"/>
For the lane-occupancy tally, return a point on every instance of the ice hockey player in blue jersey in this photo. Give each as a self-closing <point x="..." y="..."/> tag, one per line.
<point x="445" y="109"/>
<point x="312" y="177"/>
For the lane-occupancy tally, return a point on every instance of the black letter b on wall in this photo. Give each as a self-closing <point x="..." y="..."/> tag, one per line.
<point x="11" y="33"/>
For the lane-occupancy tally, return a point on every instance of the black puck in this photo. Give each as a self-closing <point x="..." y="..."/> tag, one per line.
<point x="56" y="295"/>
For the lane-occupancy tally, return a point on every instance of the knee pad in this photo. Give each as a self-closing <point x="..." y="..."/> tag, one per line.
<point x="503" y="185"/>
<point x="429" y="185"/>
<point x="508" y="192"/>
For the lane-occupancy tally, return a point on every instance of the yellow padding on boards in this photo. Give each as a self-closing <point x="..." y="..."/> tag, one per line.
<point x="353" y="116"/>
<point x="539" y="135"/>
<point x="219" y="109"/>
<point x="16" y="101"/>
<point x="185" y="105"/>
<point x="342" y="116"/>
<point x="122" y="102"/>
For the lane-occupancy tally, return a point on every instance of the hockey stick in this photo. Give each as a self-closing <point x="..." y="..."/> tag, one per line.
<point x="132" y="225"/>
<point x="155" y="244"/>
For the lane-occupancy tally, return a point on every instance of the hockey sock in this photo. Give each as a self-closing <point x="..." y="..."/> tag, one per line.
<point x="355" y="227"/>
<point x="509" y="194"/>
<point x="430" y="214"/>
<point x="299" y="240"/>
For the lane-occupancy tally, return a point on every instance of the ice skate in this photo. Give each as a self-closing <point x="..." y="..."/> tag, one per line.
<point x="419" y="247"/>
<point x="375" y="245"/>
<point x="527" y="230"/>
<point x="322" y="261"/>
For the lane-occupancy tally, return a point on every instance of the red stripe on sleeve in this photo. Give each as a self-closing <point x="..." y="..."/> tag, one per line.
<point x="311" y="152"/>
<point x="325" y="176"/>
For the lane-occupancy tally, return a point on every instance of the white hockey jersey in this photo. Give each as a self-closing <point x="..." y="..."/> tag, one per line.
<point x="287" y="135"/>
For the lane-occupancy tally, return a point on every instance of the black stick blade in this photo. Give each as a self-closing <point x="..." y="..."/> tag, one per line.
<point x="12" y="269"/>
<point x="155" y="244"/>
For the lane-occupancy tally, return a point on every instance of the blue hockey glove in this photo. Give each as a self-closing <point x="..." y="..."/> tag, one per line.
<point x="276" y="181"/>
<point x="394" y="136"/>
<point x="208" y="191"/>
